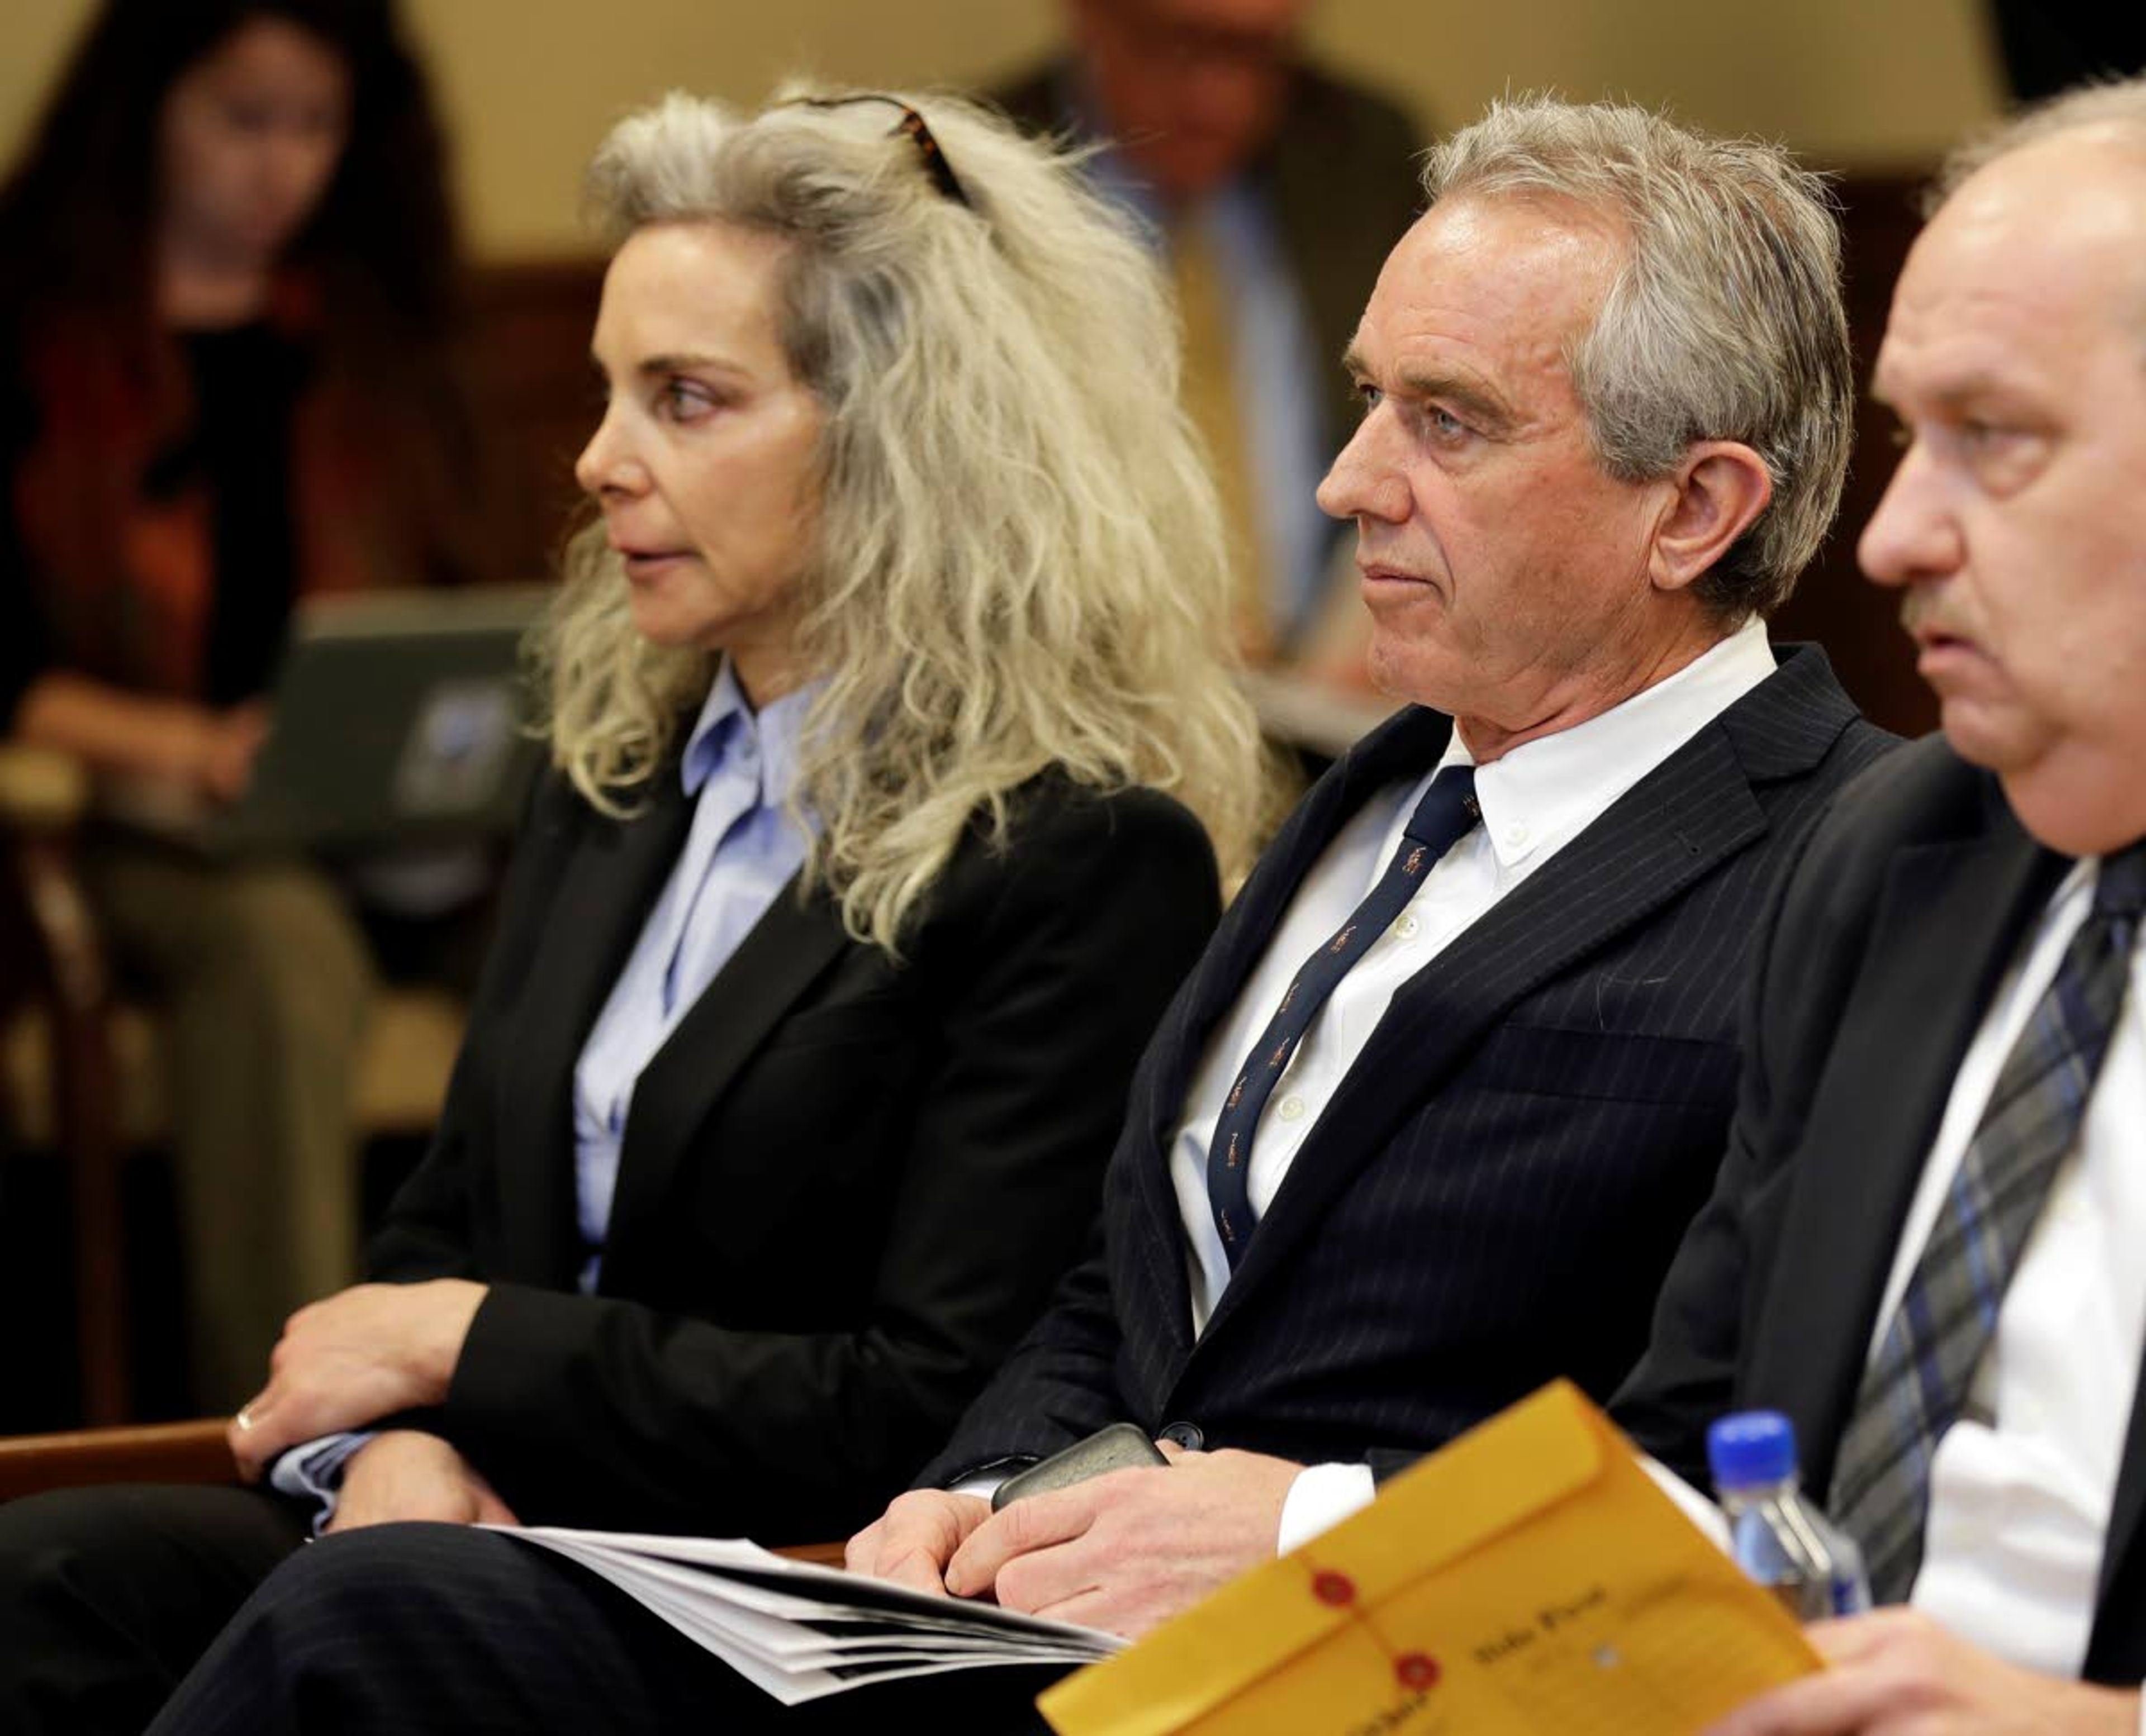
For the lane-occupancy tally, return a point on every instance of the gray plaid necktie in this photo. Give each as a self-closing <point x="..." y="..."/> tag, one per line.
<point x="1917" y="1383"/>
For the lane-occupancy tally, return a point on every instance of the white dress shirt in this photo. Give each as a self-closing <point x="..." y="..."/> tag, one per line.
<point x="1535" y="799"/>
<point x="2020" y="1504"/>
<point x="2021" y="1489"/>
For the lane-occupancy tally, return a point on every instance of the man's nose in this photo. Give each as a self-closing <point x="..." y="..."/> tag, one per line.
<point x="1362" y="481"/>
<point x="1913" y="534"/>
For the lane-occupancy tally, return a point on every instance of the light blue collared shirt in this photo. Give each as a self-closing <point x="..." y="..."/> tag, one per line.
<point x="743" y="848"/>
<point x="1281" y="380"/>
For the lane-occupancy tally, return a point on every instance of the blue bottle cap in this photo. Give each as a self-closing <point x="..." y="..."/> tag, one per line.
<point x="1751" y="1446"/>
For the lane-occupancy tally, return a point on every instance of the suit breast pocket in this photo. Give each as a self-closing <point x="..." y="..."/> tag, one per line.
<point x="1607" y="1066"/>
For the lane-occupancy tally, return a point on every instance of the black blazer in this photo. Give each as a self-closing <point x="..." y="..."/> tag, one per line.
<point x="1877" y="967"/>
<point x="845" y="1186"/>
<point x="1493" y="1193"/>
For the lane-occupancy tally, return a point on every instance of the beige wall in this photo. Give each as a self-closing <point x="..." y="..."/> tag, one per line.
<point x="530" y="85"/>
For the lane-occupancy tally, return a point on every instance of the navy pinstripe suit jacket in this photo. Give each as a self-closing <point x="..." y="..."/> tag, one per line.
<point x="1493" y="1193"/>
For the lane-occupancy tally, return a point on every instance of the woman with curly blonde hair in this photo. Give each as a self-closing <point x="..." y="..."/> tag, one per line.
<point x="891" y="719"/>
<point x="1017" y="564"/>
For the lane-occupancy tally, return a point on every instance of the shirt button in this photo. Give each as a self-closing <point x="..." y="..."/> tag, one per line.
<point x="1187" y="1435"/>
<point x="1516" y="834"/>
<point x="1291" y="1109"/>
<point x="1407" y="926"/>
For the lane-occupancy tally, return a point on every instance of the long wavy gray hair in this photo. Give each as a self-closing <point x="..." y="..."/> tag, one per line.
<point x="1019" y="563"/>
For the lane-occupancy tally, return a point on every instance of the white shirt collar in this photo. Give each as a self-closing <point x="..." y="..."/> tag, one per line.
<point x="1543" y="793"/>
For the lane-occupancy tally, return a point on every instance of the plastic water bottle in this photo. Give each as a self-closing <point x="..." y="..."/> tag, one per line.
<point x="1780" y="1539"/>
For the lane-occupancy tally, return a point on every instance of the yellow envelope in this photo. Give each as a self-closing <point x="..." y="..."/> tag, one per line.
<point x="1528" y="1580"/>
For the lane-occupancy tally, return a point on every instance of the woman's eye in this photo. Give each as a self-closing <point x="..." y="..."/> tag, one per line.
<point x="681" y="400"/>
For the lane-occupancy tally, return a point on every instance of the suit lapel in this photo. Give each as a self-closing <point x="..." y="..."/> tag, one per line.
<point x="777" y="961"/>
<point x="1931" y="964"/>
<point x="1673" y="828"/>
<point x="609" y="884"/>
<point x="1405" y="745"/>
<point x="1670" y="830"/>
<point x="2129" y="1508"/>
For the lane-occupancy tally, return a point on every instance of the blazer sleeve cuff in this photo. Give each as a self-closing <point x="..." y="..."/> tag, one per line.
<point x="509" y="1368"/>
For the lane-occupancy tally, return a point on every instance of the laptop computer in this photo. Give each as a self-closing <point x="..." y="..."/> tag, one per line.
<point x="397" y="717"/>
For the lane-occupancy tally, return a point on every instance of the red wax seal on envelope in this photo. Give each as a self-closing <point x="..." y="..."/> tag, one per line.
<point x="1335" y="1588"/>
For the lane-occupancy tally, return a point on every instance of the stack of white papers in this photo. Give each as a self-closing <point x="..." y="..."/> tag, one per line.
<point x="799" y="1631"/>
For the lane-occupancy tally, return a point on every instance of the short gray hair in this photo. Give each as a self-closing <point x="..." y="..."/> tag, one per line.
<point x="2118" y="107"/>
<point x="1724" y="322"/>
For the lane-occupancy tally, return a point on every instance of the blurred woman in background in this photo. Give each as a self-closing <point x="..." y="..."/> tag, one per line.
<point x="891" y="714"/>
<point x="226" y="319"/>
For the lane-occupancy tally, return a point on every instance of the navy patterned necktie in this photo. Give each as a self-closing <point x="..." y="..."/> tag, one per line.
<point x="1919" y="1381"/>
<point x="1446" y="812"/>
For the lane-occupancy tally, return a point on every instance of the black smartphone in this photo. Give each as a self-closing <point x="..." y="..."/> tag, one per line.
<point x="1116" y="1448"/>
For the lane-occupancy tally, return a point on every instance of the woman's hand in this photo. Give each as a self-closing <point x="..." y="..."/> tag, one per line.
<point x="361" y="1355"/>
<point x="224" y="745"/>
<point x="405" y="1475"/>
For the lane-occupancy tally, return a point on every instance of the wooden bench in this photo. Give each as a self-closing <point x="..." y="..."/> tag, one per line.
<point x="191" y="1452"/>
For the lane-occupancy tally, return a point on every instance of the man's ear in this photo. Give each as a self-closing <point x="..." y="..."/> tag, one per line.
<point x="1721" y="487"/>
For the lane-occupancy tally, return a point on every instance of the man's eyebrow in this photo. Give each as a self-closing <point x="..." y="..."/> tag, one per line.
<point x="1477" y="405"/>
<point x="1475" y="402"/>
<point x="1979" y="388"/>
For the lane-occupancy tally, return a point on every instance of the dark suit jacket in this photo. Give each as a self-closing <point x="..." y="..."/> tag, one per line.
<point x="1339" y="177"/>
<point x="1493" y="1193"/>
<point x="1876" y="970"/>
<point x="846" y="1186"/>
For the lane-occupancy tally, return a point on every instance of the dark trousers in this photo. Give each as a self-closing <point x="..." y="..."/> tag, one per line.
<point x="109" y="1596"/>
<point x="406" y="1630"/>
